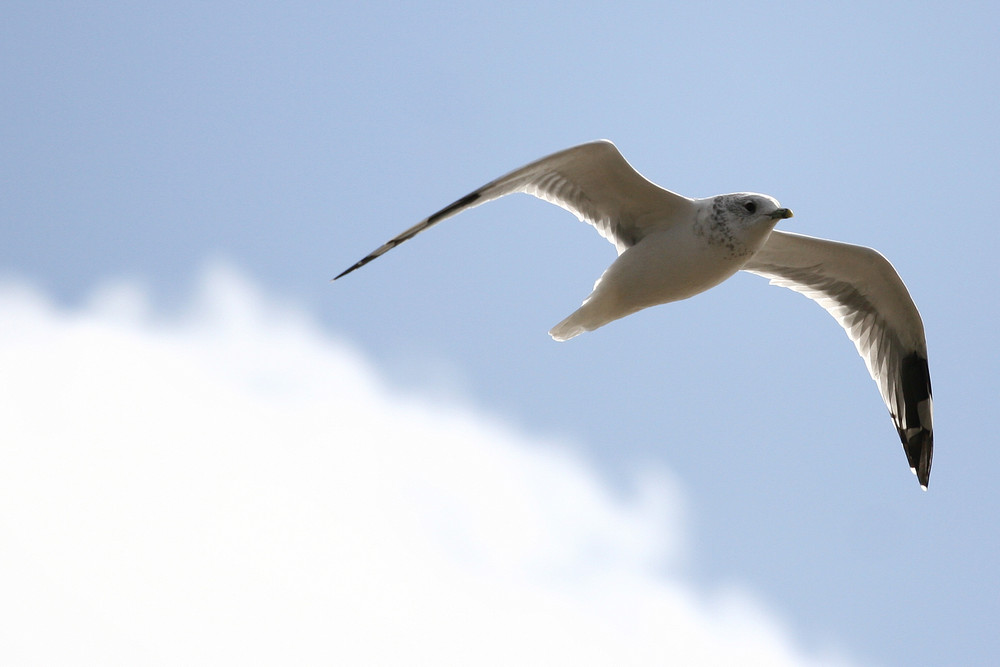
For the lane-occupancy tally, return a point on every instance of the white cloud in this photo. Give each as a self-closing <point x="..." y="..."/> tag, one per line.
<point x="233" y="486"/>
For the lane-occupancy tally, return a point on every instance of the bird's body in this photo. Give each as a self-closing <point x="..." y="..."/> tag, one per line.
<point x="671" y="247"/>
<point x="698" y="260"/>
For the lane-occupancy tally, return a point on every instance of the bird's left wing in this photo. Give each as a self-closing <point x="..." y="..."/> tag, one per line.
<point x="593" y="181"/>
<point x="862" y="290"/>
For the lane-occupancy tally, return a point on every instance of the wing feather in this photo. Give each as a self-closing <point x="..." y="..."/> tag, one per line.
<point x="593" y="181"/>
<point x="863" y="292"/>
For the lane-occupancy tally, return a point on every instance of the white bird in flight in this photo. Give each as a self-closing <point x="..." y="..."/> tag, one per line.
<point x="671" y="247"/>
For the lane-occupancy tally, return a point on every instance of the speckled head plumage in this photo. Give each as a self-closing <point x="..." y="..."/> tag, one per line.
<point x="739" y="222"/>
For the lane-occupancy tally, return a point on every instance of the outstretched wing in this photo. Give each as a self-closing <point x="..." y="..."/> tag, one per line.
<point x="862" y="290"/>
<point x="593" y="181"/>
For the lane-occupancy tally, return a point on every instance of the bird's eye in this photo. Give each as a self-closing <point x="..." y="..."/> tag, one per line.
<point x="751" y="207"/>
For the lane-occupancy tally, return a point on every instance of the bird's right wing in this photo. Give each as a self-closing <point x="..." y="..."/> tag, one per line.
<point x="593" y="181"/>
<point x="863" y="292"/>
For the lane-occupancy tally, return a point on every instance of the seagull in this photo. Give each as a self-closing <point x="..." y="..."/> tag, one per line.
<point x="671" y="247"/>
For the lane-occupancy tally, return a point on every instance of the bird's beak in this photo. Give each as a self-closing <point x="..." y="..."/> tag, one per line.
<point x="782" y="213"/>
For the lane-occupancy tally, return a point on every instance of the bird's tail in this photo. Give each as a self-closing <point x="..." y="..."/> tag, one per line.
<point x="605" y="304"/>
<point x="593" y="314"/>
<point x="567" y="329"/>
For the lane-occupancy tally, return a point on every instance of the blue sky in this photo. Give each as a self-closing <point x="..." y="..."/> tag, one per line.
<point x="142" y="146"/>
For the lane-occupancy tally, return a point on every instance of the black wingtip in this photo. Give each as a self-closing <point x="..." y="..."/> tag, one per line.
<point x="915" y="431"/>
<point x="919" y="450"/>
<point x="451" y="209"/>
<point x="362" y="262"/>
<point x="344" y="273"/>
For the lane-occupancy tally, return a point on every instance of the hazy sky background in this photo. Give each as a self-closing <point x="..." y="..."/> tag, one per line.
<point x="143" y="148"/>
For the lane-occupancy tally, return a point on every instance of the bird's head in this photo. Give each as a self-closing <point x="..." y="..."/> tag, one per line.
<point x="749" y="209"/>
<point x="738" y="223"/>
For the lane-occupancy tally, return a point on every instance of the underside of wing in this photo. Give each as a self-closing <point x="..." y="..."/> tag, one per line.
<point x="593" y="181"/>
<point x="863" y="292"/>
<point x="597" y="184"/>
